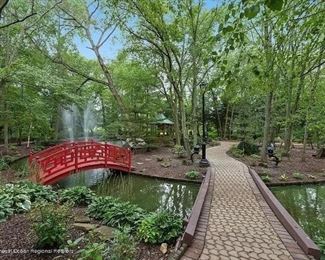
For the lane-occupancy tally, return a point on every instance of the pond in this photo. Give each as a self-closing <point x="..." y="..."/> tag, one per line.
<point x="306" y="204"/>
<point x="149" y="193"/>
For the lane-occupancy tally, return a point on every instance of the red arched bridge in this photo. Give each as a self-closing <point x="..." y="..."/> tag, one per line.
<point x="54" y="163"/>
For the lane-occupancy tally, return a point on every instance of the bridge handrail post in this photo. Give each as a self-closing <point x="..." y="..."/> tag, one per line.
<point x="76" y="156"/>
<point x="129" y="163"/>
<point x="106" y="155"/>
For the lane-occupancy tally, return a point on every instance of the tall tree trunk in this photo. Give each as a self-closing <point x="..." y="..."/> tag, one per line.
<point x="194" y="114"/>
<point x="226" y="123"/>
<point x="267" y="123"/>
<point x="231" y="122"/>
<point x="183" y="124"/>
<point x="269" y="76"/>
<point x="311" y="101"/>
<point x="176" y="123"/>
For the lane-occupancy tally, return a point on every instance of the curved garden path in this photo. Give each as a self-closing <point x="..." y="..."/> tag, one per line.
<point x="240" y="224"/>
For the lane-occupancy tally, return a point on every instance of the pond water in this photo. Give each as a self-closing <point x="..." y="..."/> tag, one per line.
<point x="306" y="204"/>
<point x="148" y="193"/>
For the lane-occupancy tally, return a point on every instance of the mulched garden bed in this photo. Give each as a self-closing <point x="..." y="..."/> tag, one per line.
<point x="313" y="169"/>
<point x="149" y="163"/>
<point x="18" y="236"/>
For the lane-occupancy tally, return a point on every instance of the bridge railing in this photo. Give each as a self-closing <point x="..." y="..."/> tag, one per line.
<point x="72" y="156"/>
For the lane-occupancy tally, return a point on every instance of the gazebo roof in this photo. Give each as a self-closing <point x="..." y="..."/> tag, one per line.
<point x="162" y="120"/>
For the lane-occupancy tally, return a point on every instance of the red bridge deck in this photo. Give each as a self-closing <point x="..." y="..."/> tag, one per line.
<point x="54" y="163"/>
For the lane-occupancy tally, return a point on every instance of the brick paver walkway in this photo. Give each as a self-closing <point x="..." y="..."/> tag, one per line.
<point x="238" y="227"/>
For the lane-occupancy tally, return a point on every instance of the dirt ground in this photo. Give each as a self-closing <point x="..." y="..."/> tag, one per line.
<point x="313" y="169"/>
<point x="151" y="163"/>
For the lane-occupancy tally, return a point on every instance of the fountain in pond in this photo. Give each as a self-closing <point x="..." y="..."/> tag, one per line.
<point x="80" y="124"/>
<point x="89" y="119"/>
<point x="69" y="117"/>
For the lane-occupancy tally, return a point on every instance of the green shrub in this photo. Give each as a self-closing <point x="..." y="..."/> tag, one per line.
<point x="248" y="148"/>
<point x="213" y="133"/>
<point x="237" y="153"/>
<point x="38" y="192"/>
<point x="124" y="214"/>
<point x="93" y="251"/>
<point x="6" y="209"/>
<point x="266" y="178"/>
<point x="100" y="205"/>
<point x="18" y="197"/>
<point x="78" y="195"/>
<point x="179" y="151"/>
<point x="50" y="223"/>
<point x="298" y="176"/>
<point x="160" y="227"/>
<point x="123" y="246"/>
<point x="22" y="173"/>
<point x="3" y="164"/>
<point x="321" y="244"/>
<point x="192" y="175"/>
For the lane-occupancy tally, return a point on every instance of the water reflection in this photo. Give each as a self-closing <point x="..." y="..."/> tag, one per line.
<point x="306" y="204"/>
<point x="149" y="193"/>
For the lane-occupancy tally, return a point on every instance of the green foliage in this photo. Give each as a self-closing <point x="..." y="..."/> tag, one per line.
<point x="22" y="172"/>
<point x="3" y="164"/>
<point x="79" y="195"/>
<point x="298" y="176"/>
<point x="266" y="178"/>
<point x="50" y="223"/>
<point x="115" y="213"/>
<point x="192" y="175"/>
<point x="100" y="205"/>
<point x="123" y="214"/>
<point x="248" y="148"/>
<point x="213" y="133"/>
<point x="160" y="227"/>
<point x="18" y="197"/>
<point x="275" y="5"/>
<point x="179" y="151"/>
<point x="123" y="246"/>
<point x="321" y="244"/>
<point x="37" y="192"/>
<point x="5" y="207"/>
<point x="93" y="251"/>
<point x="237" y="153"/>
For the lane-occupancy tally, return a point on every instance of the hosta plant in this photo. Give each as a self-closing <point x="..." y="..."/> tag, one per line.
<point x="79" y="195"/>
<point x="160" y="227"/>
<point x="124" y="214"/>
<point x="100" y="205"/>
